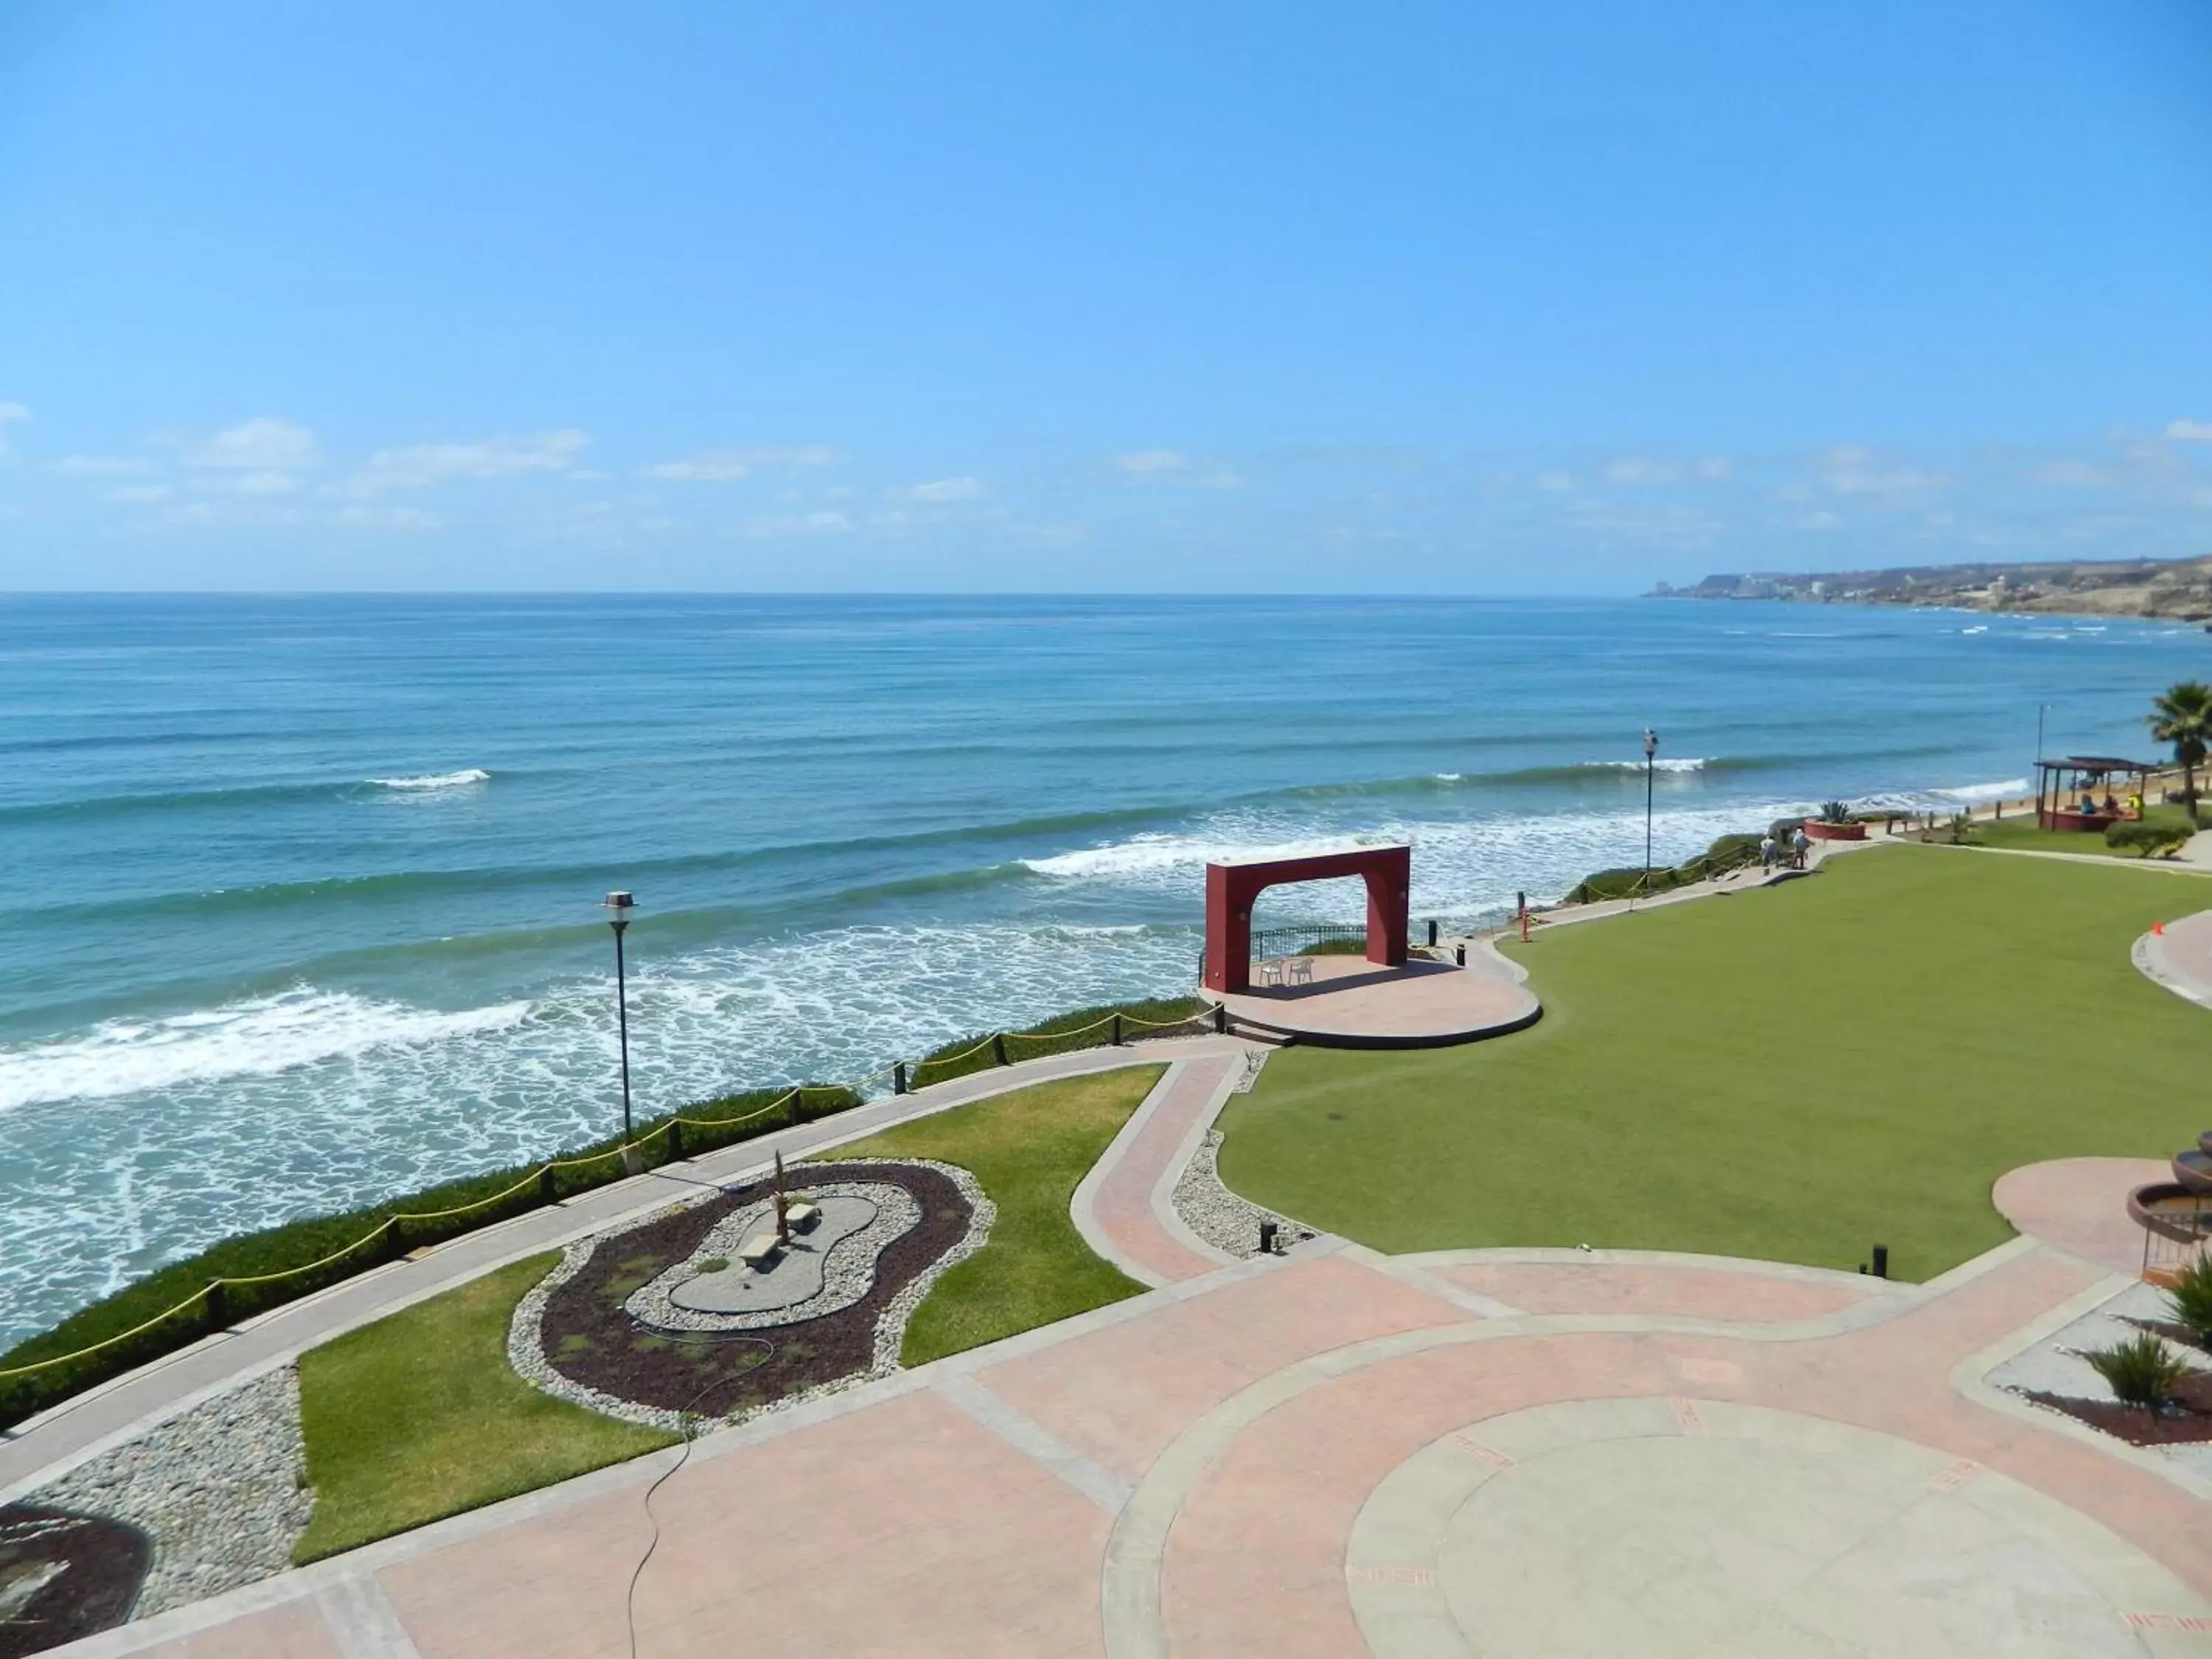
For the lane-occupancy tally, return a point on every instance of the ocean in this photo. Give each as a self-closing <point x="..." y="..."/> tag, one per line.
<point x="304" y="901"/>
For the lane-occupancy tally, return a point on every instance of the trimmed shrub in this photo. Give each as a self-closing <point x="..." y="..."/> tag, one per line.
<point x="2189" y="1301"/>
<point x="2141" y="1371"/>
<point x="2164" y="839"/>
<point x="1058" y="1035"/>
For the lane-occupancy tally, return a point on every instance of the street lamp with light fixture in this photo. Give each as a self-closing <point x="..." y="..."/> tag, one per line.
<point x="1651" y="755"/>
<point x="618" y="906"/>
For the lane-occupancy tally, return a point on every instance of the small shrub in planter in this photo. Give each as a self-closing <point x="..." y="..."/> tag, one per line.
<point x="2141" y="1371"/>
<point x="2145" y="839"/>
<point x="2189" y="1301"/>
<point x="1835" y="812"/>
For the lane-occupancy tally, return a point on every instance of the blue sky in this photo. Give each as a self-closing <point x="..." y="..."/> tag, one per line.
<point x="1342" y="299"/>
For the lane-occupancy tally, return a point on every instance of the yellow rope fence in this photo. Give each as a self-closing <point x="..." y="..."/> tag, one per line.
<point x="210" y="1296"/>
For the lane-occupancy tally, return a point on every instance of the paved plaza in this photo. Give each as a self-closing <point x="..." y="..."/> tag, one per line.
<point x="1502" y="1452"/>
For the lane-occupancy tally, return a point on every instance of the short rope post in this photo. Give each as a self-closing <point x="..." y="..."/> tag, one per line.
<point x="999" y="1048"/>
<point x="395" y="1242"/>
<point x="1432" y="932"/>
<point x="1221" y="1018"/>
<point x="675" y="1141"/>
<point x="549" y="1190"/>
<point x="1266" y="1239"/>
<point x="218" y="1305"/>
<point x="898" y="1076"/>
<point x="1881" y="1261"/>
<point x="1117" y="1038"/>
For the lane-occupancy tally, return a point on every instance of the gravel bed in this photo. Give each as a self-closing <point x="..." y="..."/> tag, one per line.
<point x="221" y="1490"/>
<point x="2055" y="1366"/>
<point x="853" y="1344"/>
<point x="1218" y="1216"/>
<point x="848" y="1274"/>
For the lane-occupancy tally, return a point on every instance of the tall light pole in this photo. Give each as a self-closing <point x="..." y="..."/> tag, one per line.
<point x="1651" y="755"/>
<point x="618" y="906"/>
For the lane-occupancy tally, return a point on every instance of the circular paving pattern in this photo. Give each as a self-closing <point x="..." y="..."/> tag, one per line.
<point x="1664" y="1527"/>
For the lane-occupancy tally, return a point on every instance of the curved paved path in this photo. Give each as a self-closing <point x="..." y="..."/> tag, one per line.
<point x="2180" y="957"/>
<point x="1124" y="1207"/>
<point x="1327" y="1455"/>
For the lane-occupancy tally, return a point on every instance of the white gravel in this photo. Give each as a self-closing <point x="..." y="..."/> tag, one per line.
<point x="1220" y="1217"/>
<point x="221" y="1490"/>
<point x="2056" y="1364"/>
<point x="526" y="1346"/>
<point x="847" y="1273"/>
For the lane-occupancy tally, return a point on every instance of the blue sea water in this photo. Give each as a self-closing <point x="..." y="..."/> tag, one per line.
<point x="303" y="892"/>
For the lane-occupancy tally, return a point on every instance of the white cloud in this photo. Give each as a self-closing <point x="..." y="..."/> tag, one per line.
<point x="10" y="414"/>
<point x="1557" y="477"/>
<point x="717" y="466"/>
<point x="1715" y="467"/>
<point x="1637" y="469"/>
<point x="1849" y="469"/>
<point x="2190" y="432"/>
<point x="261" y="445"/>
<point x="100" y="466"/>
<point x="140" y="493"/>
<point x="778" y="526"/>
<point x="412" y="519"/>
<point x="1174" y="464"/>
<point x="949" y="489"/>
<point x="267" y="484"/>
<point x="419" y="466"/>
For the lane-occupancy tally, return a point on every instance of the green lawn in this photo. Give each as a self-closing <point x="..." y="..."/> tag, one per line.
<point x="2024" y="832"/>
<point x="1796" y="1073"/>
<point x="1029" y="1150"/>
<point x="419" y="1416"/>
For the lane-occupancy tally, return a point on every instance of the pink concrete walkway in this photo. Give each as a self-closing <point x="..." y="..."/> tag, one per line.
<point x="1317" y="1457"/>
<point x="1120" y="1210"/>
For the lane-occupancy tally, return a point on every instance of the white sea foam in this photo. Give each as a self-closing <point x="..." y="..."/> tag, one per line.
<point x="258" y="1038"/>
<point x="1978" y="792"/>
<point x="1146" y="854"/>
<point x="1669" y="764"/>
<point x="460" y="779"/>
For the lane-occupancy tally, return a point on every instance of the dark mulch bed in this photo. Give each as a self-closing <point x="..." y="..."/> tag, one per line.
<point x="2188" y="1419"/>
<point x="590" y="1340"/>
<point x="104" y="1563"/>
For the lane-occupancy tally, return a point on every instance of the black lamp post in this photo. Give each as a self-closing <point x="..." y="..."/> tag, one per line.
<point x="1651" y="754"/>
<point x="618" y="906"/>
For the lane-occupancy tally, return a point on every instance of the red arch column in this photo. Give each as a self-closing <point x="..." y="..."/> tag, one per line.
<point x="1231" y="889"/>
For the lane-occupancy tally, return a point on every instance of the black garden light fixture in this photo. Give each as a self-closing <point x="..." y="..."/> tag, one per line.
<point x="618" y="906"/>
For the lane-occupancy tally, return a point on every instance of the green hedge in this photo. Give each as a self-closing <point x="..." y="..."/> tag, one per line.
<point x="358" y="1239"/>
<point x="1729" y="853"/>
<point x="1058" y="1035"/>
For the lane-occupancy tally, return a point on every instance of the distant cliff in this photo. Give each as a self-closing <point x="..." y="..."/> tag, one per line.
<point x="2177" y="588"/>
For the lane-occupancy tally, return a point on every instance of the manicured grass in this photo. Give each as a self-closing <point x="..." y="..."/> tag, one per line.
<point x="2025" y="833"/>
<point x="1029" y="1150"/>
<point x="1794" y="1074"/>
<point x="419" y="1416"/>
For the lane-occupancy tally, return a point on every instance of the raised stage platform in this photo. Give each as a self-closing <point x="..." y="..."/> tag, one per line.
<point x="1352" y="1003"/>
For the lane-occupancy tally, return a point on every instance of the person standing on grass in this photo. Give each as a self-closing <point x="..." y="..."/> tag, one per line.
<point x="1767" y="851"/>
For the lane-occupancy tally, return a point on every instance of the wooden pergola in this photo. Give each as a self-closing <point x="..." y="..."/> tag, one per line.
<point x="2066" y="790"/>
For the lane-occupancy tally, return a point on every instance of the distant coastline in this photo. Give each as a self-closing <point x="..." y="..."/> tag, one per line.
<point x="2175" y="590"/>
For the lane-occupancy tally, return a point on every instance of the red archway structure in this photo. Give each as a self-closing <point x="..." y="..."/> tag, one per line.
<point x="1230" y="889"/>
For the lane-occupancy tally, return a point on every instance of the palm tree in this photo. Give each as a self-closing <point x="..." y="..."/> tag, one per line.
<point x="2182" y="715"/>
